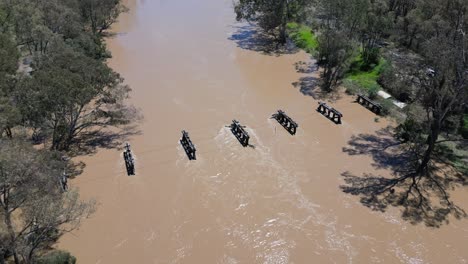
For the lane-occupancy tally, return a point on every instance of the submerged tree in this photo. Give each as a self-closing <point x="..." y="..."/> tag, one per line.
<point x="335" y="51"/>
<point x="34" y="211"/>
<point x="271" y="15"/>
<point x="336" y="46"/>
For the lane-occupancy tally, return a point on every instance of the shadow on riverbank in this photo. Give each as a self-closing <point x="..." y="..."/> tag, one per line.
<point x="423" y="199"/>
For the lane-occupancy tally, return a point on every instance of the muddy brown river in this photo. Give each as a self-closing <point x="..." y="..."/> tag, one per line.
<point x="192" y="67"/>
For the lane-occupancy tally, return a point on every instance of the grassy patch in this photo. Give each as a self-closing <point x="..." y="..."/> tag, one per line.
<point x="303" y="37"/>
<point x="366" y="79"/>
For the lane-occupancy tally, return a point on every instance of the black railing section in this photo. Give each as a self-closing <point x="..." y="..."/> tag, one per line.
<point x="188" y="146"/>
<point x="369" y="104"/>
<point x="286" y="121"/>
<point x="240" y="133"/>
<point x="330" y="112"/>
<point x="129" y="160"/>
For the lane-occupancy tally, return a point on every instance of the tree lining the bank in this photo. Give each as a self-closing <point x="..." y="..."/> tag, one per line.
<point x="55" y="89"/>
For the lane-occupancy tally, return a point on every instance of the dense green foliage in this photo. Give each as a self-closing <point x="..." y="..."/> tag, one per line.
<point x="55" y="89"/>
<point x="360" y="74"/>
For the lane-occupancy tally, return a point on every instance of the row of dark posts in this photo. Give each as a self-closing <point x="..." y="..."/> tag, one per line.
<point x="129" y="160"/>
<point x="239" y="132"/>
<point x="330" y="112"/>
<point x="236" y="128"/>
<point x="368" y="103"/>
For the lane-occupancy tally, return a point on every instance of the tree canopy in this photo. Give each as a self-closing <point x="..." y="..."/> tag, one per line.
<point x="55" y="89"/>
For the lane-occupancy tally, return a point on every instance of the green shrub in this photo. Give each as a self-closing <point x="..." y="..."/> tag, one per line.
<point x="57" y="257"/>
<point x="303" y="37"/>
<point x="365" y="79"/>
<point x="371" y="60"/>
<point x="352" y="88"/>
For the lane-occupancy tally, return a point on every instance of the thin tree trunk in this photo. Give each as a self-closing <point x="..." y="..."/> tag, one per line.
<point x="11" y="233"/>
<point x="431" y="142"/>
<point x="8" y="132"/>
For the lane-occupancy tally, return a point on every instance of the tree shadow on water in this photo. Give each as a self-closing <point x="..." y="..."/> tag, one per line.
<point x="423" y="198"/>
<point x="310" y="84"/>
<point x="306" y="67"/>
<point x="250" y="37"/>
<point x="89" y="143"/>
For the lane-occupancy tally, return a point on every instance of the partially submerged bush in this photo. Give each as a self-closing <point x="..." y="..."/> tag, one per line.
<point x="57" y="257"/>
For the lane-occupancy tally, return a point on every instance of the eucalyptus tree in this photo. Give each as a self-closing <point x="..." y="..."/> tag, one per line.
<point x="99" y="15"/>
<point x="34" y="211"/>
<point x="271" y="15"/>
<point x="70" y="95"/>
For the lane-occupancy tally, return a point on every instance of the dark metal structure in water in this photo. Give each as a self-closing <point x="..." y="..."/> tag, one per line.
<point x="188" y="146"/>
<point x="240" y="133"/>
<point x="369" y="104"/>
<point x="286" y="121"/>
<point x="129" y="160"/>
<point x="330" y="112"/>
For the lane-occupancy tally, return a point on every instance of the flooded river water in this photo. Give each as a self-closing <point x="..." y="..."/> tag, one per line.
<point x="192" y="67"/>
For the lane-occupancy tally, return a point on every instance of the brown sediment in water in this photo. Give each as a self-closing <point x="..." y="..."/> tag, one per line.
<point x="192" y="67"/>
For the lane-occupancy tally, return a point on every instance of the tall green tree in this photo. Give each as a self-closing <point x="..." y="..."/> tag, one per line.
<point x="70" y="95"/>
<point x="335" y="53"/>
<point x="336" y="46"/>
<point x="375" y="26"/>
<point x="444" y="92"/>
<point x="9" y="114"/>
